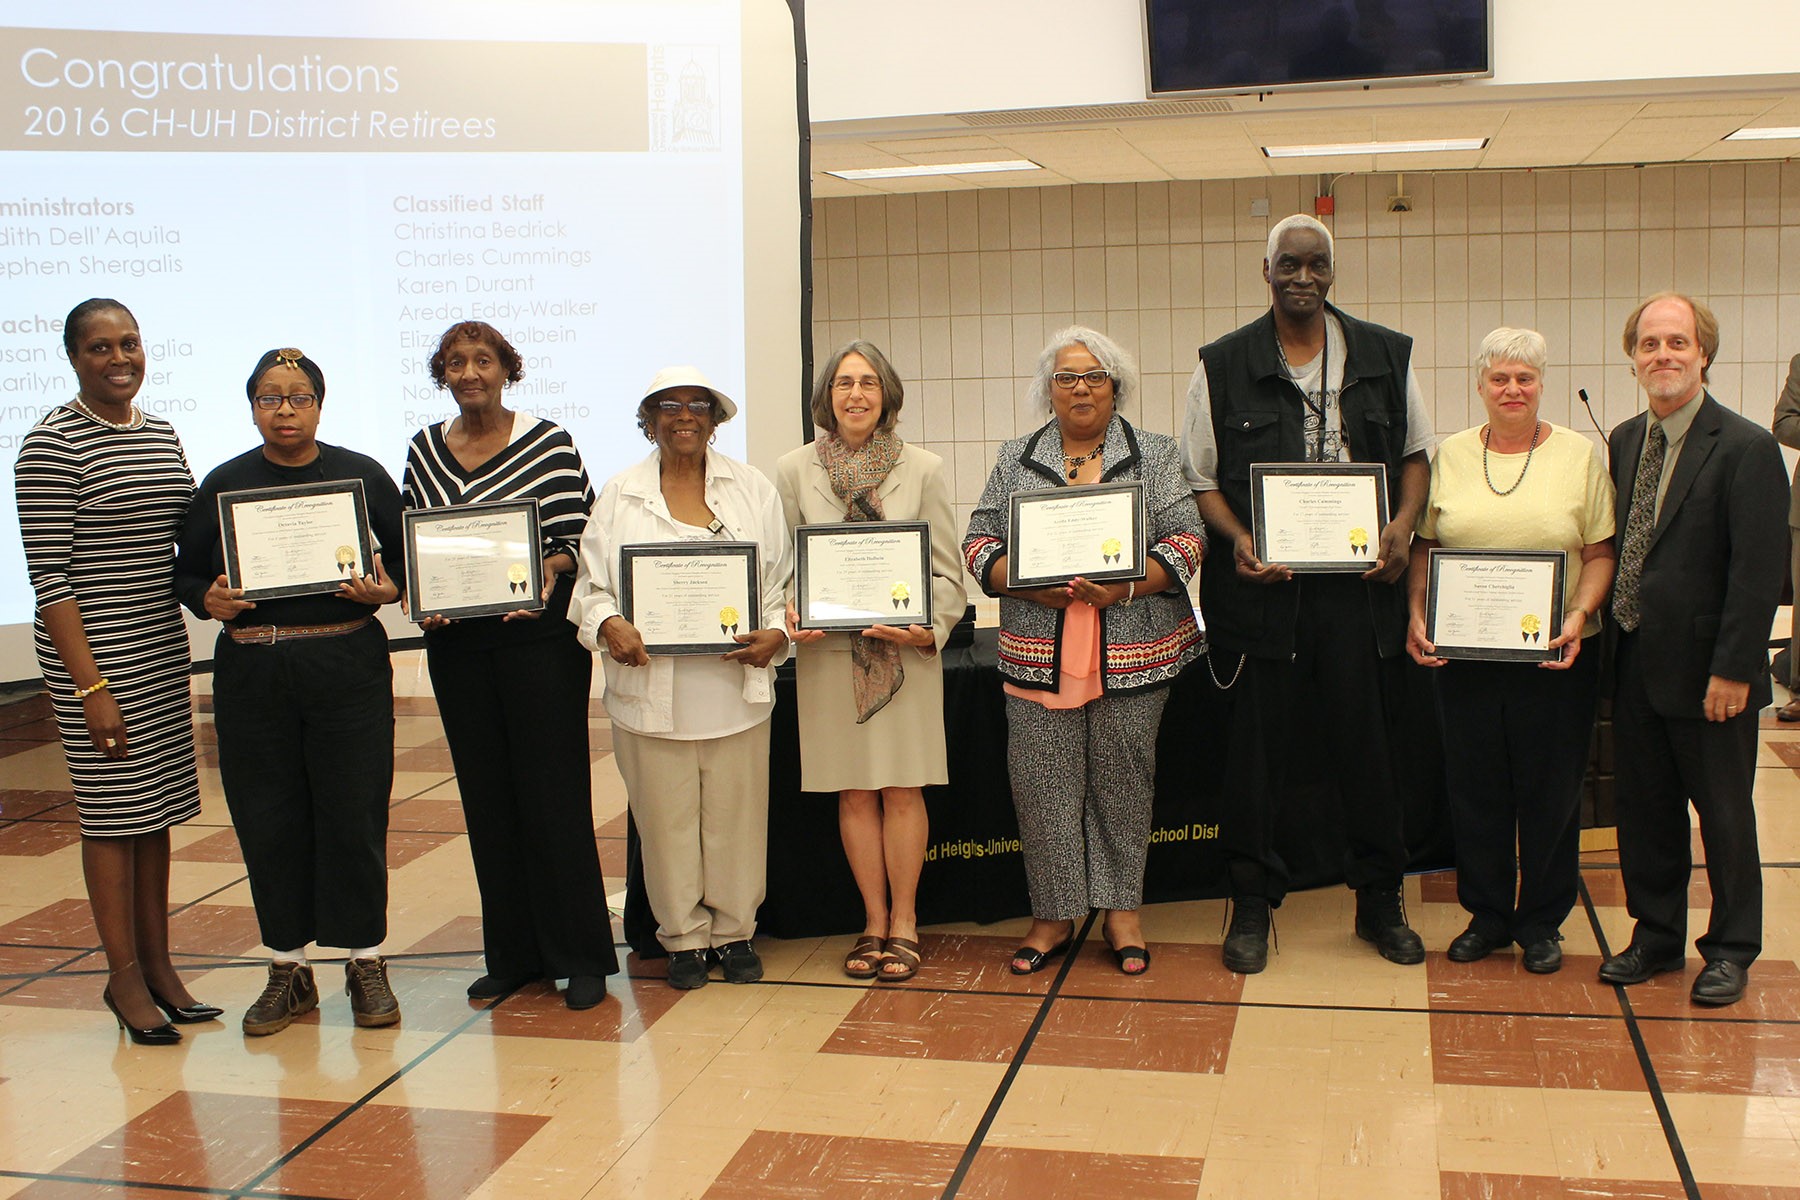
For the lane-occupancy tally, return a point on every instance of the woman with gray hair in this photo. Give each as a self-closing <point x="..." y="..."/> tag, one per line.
<point x="1516" y="733"/>
<point x="1086" y="664"/>
<point x="880" y="750"/>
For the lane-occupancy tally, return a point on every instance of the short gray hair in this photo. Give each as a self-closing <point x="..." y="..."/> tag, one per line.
<point x="1299" y="221"/>
<point x="1111" y="355"/>
<point x="1504" y="344"/>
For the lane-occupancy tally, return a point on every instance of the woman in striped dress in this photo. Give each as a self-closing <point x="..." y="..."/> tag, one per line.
<point x="102" y="488"/>
<point x="513" y="690"/>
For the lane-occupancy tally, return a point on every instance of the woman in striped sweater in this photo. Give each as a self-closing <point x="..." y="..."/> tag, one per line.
<point x="513" y="690"/>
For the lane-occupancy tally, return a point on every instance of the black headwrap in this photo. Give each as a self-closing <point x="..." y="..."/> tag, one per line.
<point x="286" y="358"/>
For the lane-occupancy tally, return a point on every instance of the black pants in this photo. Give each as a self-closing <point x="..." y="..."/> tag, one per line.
<point x="1516" y="740"/>
<point x="306" y="756"/>
<point x="516" y="719"/>
<point x="1663" y="762"/>
<point x="1335" y="691"/>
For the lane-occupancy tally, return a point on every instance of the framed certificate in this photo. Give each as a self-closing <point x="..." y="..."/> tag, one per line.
<point x="1095" y="531"/>
<point x="1500" y="605"/>
<point x="295" y="541"/>
<point x="690" y="597"/>
<point x="855" y="574"/>
<point x="1318" y="516"/>
<point x="474" y="560"/>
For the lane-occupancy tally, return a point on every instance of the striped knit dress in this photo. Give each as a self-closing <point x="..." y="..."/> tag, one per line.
<point x="100" y="509"/>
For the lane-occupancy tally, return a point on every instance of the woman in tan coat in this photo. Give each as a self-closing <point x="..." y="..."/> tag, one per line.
<point x="872" y="703"/>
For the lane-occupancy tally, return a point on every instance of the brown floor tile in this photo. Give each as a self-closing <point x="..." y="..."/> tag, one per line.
<point x="19" y="803"/>
<point x="898" y="1022"/>
<point x="406" y="1153"/>
<point x="1469" y="1185"/>
<point x="405" y="846"/>
<point x="1743" y="1059"/>
<point x="1787" y="751"/>
<point x="416" y="705"/>
<point x="1773" y="995"/>
<point x="455" y="936"/>
<point x="614" y="828"/>
<point x="424" y="758"/>
<point x="30" y="960"/>
<point x="425" y="813"/>
<point x="1749" y="1191"/>
<point x="631" y="1007"/>
<point x="1017" y="1173"/>
<point x="33" y="839"/>
<point x="31" y="708"/>
<point x="220" y="847"/>
<point x="1537" y="1052"/>
<point x="612" y="858"/>
<point x="1607" y="889"/>
<point x="1499" y="983"/>
<point x="224" y="930"/>
<point x="60" y="923"/>
<point x="70" y="992"/>
<point x="1178" y="971"/>
<point x="199" y="1139"/>
<point x="1141" y="1037"/>
<point x="966" y="962"/>
<point x="802" y="1166"/>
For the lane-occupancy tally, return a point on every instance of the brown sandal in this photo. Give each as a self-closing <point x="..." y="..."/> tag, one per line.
<point x="864" y="959"/>
<point x="904" y="951"/>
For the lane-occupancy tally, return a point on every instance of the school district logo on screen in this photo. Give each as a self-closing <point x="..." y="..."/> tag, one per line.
<point x="684" y="98"/>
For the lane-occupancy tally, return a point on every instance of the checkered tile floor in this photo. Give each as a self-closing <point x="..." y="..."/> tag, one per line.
<point x="1332" y="1075"/>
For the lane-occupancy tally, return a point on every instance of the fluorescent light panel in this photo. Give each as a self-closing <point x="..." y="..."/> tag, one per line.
<point x="962" y="168"/>
<point x="1768" y="133"/>
<point x="1434" y="146"/>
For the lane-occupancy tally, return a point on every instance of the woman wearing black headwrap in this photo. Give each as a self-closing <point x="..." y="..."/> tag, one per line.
<point x="303" y="701"/>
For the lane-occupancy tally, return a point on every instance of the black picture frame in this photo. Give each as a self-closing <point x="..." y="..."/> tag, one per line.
<point x="1534" y="642"/>
<point x="331" y="574"/>
<point x="631" y="589"/>
<point x="1100" y="572"/>
<point x="1358" y="555"/>
<point x="912" y="608"/>
<point x="525" y="595"/>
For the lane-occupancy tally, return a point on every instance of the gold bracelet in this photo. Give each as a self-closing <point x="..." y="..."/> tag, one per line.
<point x="84" y="693"/>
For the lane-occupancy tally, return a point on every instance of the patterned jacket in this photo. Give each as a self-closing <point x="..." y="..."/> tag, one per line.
<point x="1143" y="645"/>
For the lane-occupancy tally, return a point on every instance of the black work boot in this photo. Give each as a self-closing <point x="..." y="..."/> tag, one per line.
<point x="1381" y="919"/>
<point x="1246" y="948"/>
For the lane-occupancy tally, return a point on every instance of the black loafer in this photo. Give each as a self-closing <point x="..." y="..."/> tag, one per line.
<point x="1473" y="945"/>
<point x="1634" y="964"/>
<point x="585" y="991"/>
<point x="1544" y="957"/>
<point x="1720" y="983"/>
<point x="490" y="987"/>
<point x="687" y="969"/>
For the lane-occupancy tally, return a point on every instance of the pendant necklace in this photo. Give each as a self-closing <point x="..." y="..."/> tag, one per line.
<point x="1486" y="432"/>
<point x="1075" y="464"/>
<point x="132" y="422"/>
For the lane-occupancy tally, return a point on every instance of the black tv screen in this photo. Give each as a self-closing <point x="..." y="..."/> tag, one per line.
<point x="1264" y="45"/>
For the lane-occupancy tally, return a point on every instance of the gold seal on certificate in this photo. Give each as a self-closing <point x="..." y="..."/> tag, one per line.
<point x="1491" y="604"/>
<point x="294" y="541"/>
<point x="1095" y="531"/>
<point x="690" y="597"/>
<point x="474" y="560"/>
<point x="854" y="574"/>
<point x="1317" y="516"/>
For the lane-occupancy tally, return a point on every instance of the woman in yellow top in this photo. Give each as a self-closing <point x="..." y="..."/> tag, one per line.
<point x="1516" y="734"/>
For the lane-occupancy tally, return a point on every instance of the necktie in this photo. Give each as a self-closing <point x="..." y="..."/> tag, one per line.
<point x="1640" y="522"/>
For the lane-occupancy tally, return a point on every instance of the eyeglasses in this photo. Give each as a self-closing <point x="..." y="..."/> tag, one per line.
<point x="700" y="408"/>
<point x="844" y="385"/>
<point x="299" y="400"/>
<point x="1067" y="379"/>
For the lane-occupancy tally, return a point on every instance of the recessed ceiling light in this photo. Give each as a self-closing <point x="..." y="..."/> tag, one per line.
<point x="1768" y="133"/>
<point x="1422" y="147"/>
<point x="962" y="168"/>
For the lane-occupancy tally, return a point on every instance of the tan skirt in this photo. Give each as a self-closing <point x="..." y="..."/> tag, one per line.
<point x="900" y="746"/>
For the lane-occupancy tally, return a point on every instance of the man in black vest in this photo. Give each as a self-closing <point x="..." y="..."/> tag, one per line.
<point x="1307" y="383"/>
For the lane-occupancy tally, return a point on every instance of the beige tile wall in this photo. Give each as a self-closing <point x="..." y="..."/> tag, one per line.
<point x="962" y="288"/>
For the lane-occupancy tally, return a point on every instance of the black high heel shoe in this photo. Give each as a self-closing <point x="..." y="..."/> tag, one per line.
<point x="157" y="1035"/>
<point x="193" y="1014"/>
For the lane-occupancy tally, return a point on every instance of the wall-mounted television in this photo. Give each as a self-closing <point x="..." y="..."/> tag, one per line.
<point x="1199" y="46"/>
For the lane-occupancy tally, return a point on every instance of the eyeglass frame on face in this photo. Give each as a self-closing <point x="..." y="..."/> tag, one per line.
<point x="1066" y="380"/>
<point x="846" y="384"/>
<point x="700" y="408"/>
<point x="298" y="401"/>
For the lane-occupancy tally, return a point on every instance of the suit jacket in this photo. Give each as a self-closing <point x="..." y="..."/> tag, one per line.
<point x="1787" y="431"/>
<point x="1716" y="561"/>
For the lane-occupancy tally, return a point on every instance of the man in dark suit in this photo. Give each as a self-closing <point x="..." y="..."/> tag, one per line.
<point x="1702" y="548"/>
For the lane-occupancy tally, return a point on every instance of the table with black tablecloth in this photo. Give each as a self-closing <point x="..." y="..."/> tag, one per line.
<point x="973" y="869"/>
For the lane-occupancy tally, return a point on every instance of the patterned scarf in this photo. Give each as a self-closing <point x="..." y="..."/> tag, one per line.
<point x="875" y="670"/>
